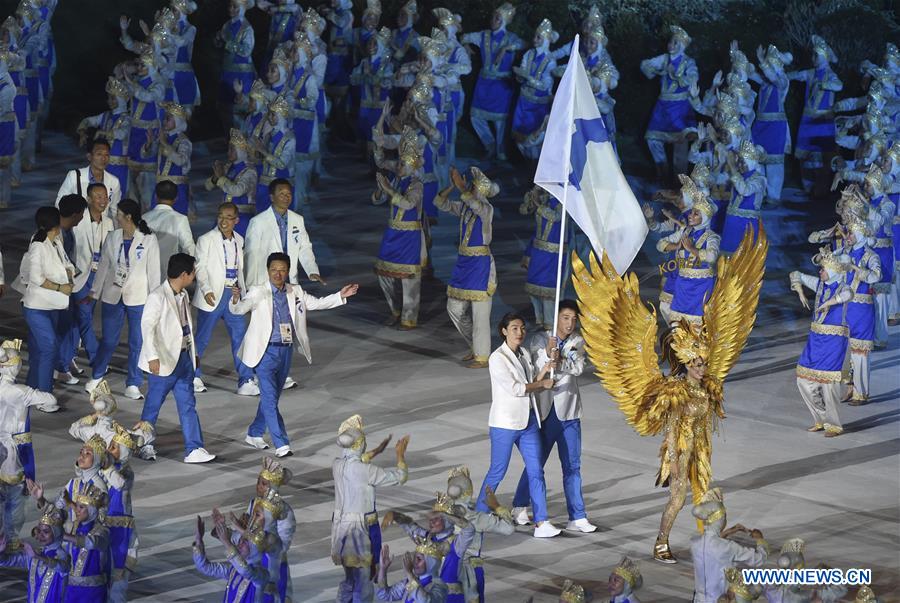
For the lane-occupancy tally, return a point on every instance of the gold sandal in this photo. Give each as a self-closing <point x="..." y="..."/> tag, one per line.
<point x="662" y="552"/>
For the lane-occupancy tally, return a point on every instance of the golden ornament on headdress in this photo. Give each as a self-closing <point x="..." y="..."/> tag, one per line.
<point x="571" y="592"/>
<point x="117" y="87"/>
<point x="482" y="184"/>
<point x="167" y="19"/>
<point x="272" y="503"/>
<point x="894" y="153"/>
<point x="855" y="222"/>
<point x="373" y="7"/>
<point x="409" y="149"/>
<point x="793" y="545"/>
<point x="875" y="177"/>
<point x="629" y="571"/>
<point x="184" y="6"/>
<point x="445" y="18"/>
<point x="726" y="103"/>
<point x="776" y="58"/>
<point x="545" y="30"/>
<point x="160" y="35"/>
<point x="680" y="35"/>
<point x="865" y="594"/>
<point x="434" y="46"/>
<point x="257" y="538"/>
<point x="699" y="199"/>
<point x="280" y="105"/>
<point x="123" y="438"/>
<point x="312" y="20"/>
<point x="354" y="422"/>
<point x="96" y="444"/>
<point x="595" y="30"/>
<point x="422" y="90"/>
<point x="429" y="548"/>
<point x="51" y="516"/>
<point x="735" y="580"/>
<point x="274" y="473"/>
<point x="29" y="9"/>
<point x="594" y="15"/>
<point x="442" y="503"/>
<point x="148" y="58"/>
<point x="237" y="139"/>
<point x="102" y="389"/>
<point x="91" y="495"/>
<point x="460" y="470"/>
<point x="507" y="12"/>
<point x="751" y="152"/>
<point x="281" y="59"/>
<point x="410" y="8"/>
<point x="13" y="345"/>
<point x="690" y="341"/>
<point x="175" y="110"/>
<point x="258" y="91"/>
<point x="827" y="259"/>
<point x="700" y="175"/>
<point x="383" y="36"/>
<point x="820" y="46"/>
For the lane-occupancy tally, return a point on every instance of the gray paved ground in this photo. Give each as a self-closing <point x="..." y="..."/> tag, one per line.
<point x="841" y="495"/>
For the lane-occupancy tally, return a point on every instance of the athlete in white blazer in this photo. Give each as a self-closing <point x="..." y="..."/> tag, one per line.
<point x="220" y="266"/>
<point x="515" y="419"/>
<point x="277" y="324"/>
<point x="279" y="230"/>
<point x="128" y="271"/>
<point x="77" y="181"/>
<point x="560" y="412"/>
<point x="172" y="229"/>
<point x="167" y="355"/>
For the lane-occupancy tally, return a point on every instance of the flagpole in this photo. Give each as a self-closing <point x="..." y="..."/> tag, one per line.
<point x="559" y="262"/>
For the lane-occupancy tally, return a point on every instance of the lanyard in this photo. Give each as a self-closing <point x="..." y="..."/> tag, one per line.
<point x="225" y="251"/>
<point x="122" y="253"/>
<point x="96" y="236"/>
<point x="276" y="311"/>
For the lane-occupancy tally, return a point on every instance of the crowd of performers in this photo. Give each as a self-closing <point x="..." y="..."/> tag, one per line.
<point x="120" y="234"/>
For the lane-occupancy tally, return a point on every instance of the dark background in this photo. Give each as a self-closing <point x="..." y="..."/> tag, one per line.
<point x="86" y="33"/>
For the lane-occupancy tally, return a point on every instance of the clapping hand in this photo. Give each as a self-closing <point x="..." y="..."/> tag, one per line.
<point x="459" y="181"/>
<point x="380" y="448"/>
<point x="349" y="290"/>
<point x="35" y="490"/>
<point x="401" y="445"/>
<point x="383" y="184"/>
<point x="124" y="22"/>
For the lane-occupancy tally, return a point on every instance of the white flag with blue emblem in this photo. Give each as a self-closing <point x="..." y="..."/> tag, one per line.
<point x="578" y="166"/>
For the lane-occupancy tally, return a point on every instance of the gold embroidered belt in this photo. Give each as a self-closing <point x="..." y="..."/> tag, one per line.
<point x="882" y="243"/>
<point x="673" y="96"/>
<point x="771" y="117"/>
<point x="546" y="246"/>
<point x="175" y="179"/>
<point x="695" y="272"/>
<point x="22" y="438"/>
<point x="862" y="298"/>
<point x="98" y="580"/>
<point x="820" y="329"/>
<point x="474" y="251"/>
<point x="397" y="225"/>
<point x="118" y="160"/>
<point x="119" y="521"/>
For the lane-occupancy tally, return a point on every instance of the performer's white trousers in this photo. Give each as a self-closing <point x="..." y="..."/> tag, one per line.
<point x="774" y="180"/>
<point x="28" y="144"/>
<point x="143" y="184"/>
<point x="822" y="400"/>
<point x="543" y="311"/>
<point x="860" y="364"/>
<point x="6" y="184"/>
<point x="679" y="154"/>
<point x="302" y="173"/>
<point x="12" y="505"/>
<point x="473" y="321"/>
<point x="406" y="305"/>
<point x="881" y="318"/>
<point x="487" y="138"/>
<point x="356" y="586"/>
<point x="118" y="589"/>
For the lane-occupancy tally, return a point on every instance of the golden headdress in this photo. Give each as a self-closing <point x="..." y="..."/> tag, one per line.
<point x="351" y="433"/>
<point x="383" y="36"/>
<point x="271" y="502"/>
<point x="793" y="545"/>
<point x="739" y="62"/>
<point x="258" y="538"/>
<point x="734" y="580"/>
<point x="894" y="153"/>
<point x="875" y="95"/>
<point x="751" y="152"/>
<point x="102" y="391"/>
<point x="51" y="516"/>
<point x="507" y="12"/>
<point x="175" y="110"/>
<point x="29" y="9"/>
<point x="117" y="87"/>
<point x="630" y="572"/>
<point x="167" y="18"/>
<point x="820" y="46"/>
<point x="237" y="139"/>
<point x="434" y="46"/>
<point x="274" y="473"/>
<point x="258" y="91"/>
<point x="160" y="34"/>
<point x="91" y="496"/>
<point x="446" y="19"/>
<point x="865" y="594"/>
<point x="442" y="503"/>
<point x="314" y="21"/>
<point x="734" y="128"/>
<point x="572" y="592"/>
<point x="184" y="6"/>
<point x="701" y="175"/>
<point x="875" y="177"/>
<point x="281" y="59"/>
<point x="280" y="105"/>
<point x="680" y="35"/>
<point x="124" y="439"/>
<point x="827" y="259"/>
<point x="429" y="548"/>
<point x="373" y="7"/>
<point x="852" y="201"/>
<point x="593" y="16"/>
<point x="545" y="30"/>
<point x="422" y="90"/>
<point x="690" y="341"/>
<point x="594" y="29"/>
<point x="409" y="149"/>
<point x="303" y="44"/>
<point x="410" y="8"/>
<point x="11" y="345"/>
<point x="699" y="199"/>
<point x="891" y="53"/>
<point x="460" y="478"/>
<point x="483" y="185"/>
<point x="148" y="58"/>
<point x="777" y="59"/>
<point x="96" y="444"/>
<point x="727" y="103"/>
<point x="710" y="506"/>
<point x="855" y="222"/>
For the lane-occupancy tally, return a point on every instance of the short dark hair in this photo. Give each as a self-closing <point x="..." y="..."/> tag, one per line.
<point x="69" y="205"/>
<point x="89" y="147"/>
<point x="278" y="257"/>
<point x="568" y="304"/>
<point x="180" y="263"/>
<point x="273" y="186"/>
<point x="46" y="219"/>
<point x="230" y="205"/>
<point x="166" y="190"/>
<point x="504" y="322"/>
<point x="94" y="185"/>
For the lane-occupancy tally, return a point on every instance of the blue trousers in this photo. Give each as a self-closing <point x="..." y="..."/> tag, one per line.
<point x="181" y="384"/>
<point x="271" y="373"/>
<point x="43" y="347"/>
<point x="236" y="328"/>
<point x="528" y="441"/>
<point x="566" y="435"/>
<point x="113" y="318"/>
<point x="78" y="323"/>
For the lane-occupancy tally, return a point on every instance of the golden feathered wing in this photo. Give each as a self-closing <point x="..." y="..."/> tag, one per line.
<point x="730" y="312"/>
<point x="619" y="331"/>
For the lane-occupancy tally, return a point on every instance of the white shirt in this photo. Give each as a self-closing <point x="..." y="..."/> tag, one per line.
<point x="173" y="233"/>
<point x="70" y="187"/>
<point x="355" y="483"/>
<point x="47" y="262"/>
<point x="510" y="373"/>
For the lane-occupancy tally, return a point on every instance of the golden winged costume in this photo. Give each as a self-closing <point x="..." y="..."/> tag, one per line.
<point x="620" y="333"/>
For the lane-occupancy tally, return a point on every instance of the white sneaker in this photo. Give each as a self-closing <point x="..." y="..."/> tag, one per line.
<point x="199" y="386"/>
<point x="248" y="388"/>
<point x="258" y="443"/>
<point x="147" y="452"/>
<point x="581" y="525"/>
<point x="67" y="378"/>
<point x="289" y="383"/>
<point x="91" y="384"/>
<point x="199" y="455"/>
<point x="74" y="368"/>
<point x="132" y="392"/>
<point x="283" y="451"/>
<point x="546" y="530"/>
<point x="520" y="516"/>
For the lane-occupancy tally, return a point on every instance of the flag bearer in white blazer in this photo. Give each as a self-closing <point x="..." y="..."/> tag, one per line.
<point x="277" y="324"/>
<point x="128" y="272"/>
<point x="220" y="267"/>
<point x="560" y="414"/>
<point x="168" y="356"/>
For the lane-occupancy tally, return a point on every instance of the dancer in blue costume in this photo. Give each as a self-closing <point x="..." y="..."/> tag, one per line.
<point x="603" y="75"/>
<point x="540" y="284"/>
<point x="696" y="249"/>
<point x="371" y="17"/>
<point x="891" y="168"/>
<point x="422" y="583"/>
<point x="7" y="128"/>
<point x="243" y="572"/>
<point x="340" y="56"/>
<point x="865" y="271"/>
<point x="882" y="213"/>
<point x="32" y="39"/>
<point x="311" y="27"/>
<point x="15" y="62"/>
<point x="404" y="46"/>
<point x="458" y="64"/>
<point x="305" y="92"/>
<point x="373" y="77"/>
<point x="285" y="16"/>
<point x="236" y="180"/>
<point x="88" y="547"/>
<point x="16" y="448"/>
<point x="47" y="563"/>
<point x="173" y="154"/>
<point x="494" y="91"/>
<point x="748" y="190"/>
<point x="535" y="93"/>
<point x="819" y="369"/>
<point x="158" y="41"/>
<point x="113" y="126"/>
<point x="187" y="90"/>
<point x="673" y="117"/>
<point x="815" y="136"/>
<point x="276" y="150"/>
<point x="251" y="107"/>
<point x="624" y="579"/>
<point x="237" y="39"/>
<point x="470" y="290"/>
<point x="147" y="92"/>
<point x="770" y="128"/>
<point x="403" y="252"/>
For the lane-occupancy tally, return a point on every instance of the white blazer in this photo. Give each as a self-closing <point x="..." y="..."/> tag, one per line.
<point x="143" y="275"/>
<point x="89" y="237"/>
<point x="211" y="266"/>
<point x="565" y="396"/>
<point x="263" y="238"/>
<point x="510" y="404"/>
<point x="173" y="234"/>
<point x="70" y="187"/>
<point x="46" y="261"/>
<point x="161" y="330"/>
<point x="259" y="300"/>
